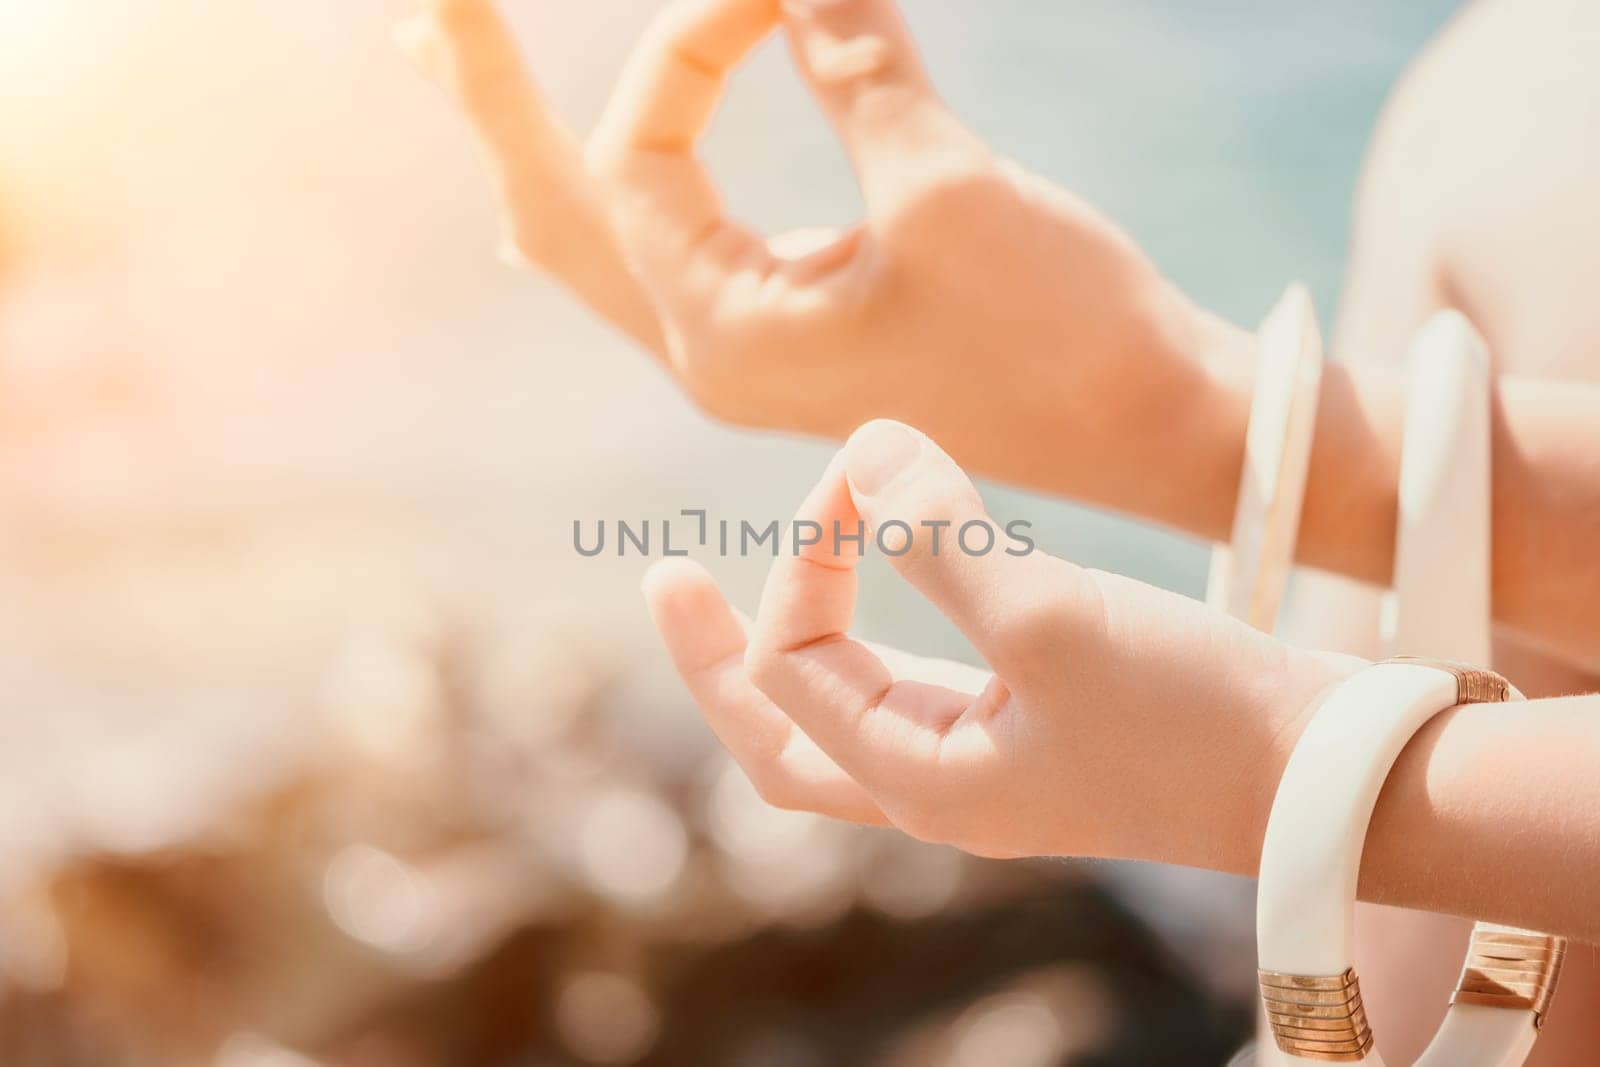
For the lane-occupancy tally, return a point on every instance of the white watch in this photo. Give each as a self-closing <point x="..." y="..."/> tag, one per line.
<point x="1310" y="861"/>
<point x="1248" y="574"/>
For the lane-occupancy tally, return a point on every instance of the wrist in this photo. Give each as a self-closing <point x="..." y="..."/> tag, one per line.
<point x="1307" y="680"/>
<point x="1276" y="705"/>
<point x="1205" y="716"/>
<point x="1213" y="432"/>
<point x="1183" y="446"/>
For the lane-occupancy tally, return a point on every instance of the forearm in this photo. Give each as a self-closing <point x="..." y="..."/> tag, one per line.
<point x="1177" y="458"/>
<point x="1545" y="508"/>
<point x="1493" y="811"/>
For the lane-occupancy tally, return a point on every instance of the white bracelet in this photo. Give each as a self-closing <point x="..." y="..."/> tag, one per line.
<point x="1310" y="861"/>
<point x="1439" y="605"/>
<point x="1248" y="574"/>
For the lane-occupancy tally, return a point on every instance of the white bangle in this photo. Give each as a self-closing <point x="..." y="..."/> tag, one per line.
<point x="1310" y="861"/>
<point x="1249" y="573"/>
<point x="1439" y="605"/>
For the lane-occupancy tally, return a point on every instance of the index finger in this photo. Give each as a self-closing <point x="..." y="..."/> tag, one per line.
<point x="672" y="83"/>
<point x="666" y="201"/>
<point x="883" y="732"/>
<point x="555" y="216"/>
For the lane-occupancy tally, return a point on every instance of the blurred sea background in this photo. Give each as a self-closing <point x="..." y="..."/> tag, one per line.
<point x="289" y="461"/>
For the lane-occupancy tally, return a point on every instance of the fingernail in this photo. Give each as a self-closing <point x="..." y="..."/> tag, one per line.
<point x="877" y="453"/>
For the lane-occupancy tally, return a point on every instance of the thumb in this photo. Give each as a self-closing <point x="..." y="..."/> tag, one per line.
<point x="986" y="577"/>
<point x="860" y="62"/>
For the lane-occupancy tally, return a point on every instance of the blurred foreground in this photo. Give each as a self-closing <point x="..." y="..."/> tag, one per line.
<point x="470" y="858"/>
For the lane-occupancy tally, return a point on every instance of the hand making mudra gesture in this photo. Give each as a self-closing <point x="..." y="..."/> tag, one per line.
<point x="1121" y="720"/>
<point x="960" y="252"/>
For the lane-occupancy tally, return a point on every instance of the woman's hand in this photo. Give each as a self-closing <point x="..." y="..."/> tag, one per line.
<point x="975" y="299"/>
<point x="1001" y="314"/>
<point x="1120" y="721"/>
